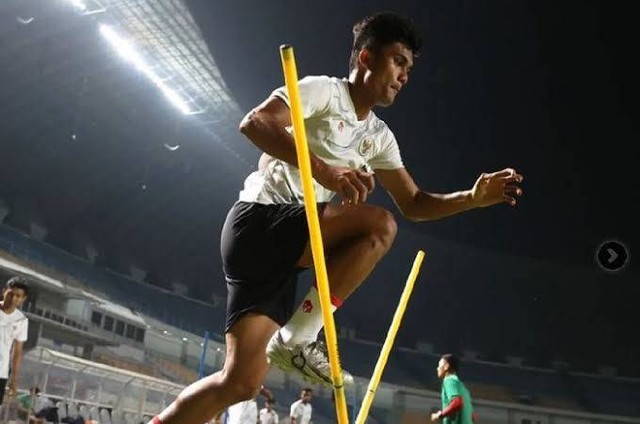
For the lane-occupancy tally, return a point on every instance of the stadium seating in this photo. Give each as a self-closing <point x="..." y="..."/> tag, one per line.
<point x="175" y="371"/>
<point x="62" y="409"/>
<point x="130" y="418"/>
<point x="104" y="416"/>
<point x="72" y="410"/>
<point x="127" y="364"/>
<point x="117" y="417"/>
<point x="490" y="381"/>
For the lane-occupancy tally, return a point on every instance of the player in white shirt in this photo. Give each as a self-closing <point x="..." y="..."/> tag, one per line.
<point x="246" y="412"/>
<point x="268" y="415"/>
<point x="14" y="327"/>
<point x="301" y="409"/>
<point x="243" y="412"/>
<point x="265" y="242"/>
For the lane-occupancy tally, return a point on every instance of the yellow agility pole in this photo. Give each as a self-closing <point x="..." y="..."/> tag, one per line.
<point x="388" y="343"/>
<point x="311" y="209"/>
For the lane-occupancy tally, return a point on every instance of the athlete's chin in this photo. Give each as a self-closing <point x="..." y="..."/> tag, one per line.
<point x="386" y="102"/>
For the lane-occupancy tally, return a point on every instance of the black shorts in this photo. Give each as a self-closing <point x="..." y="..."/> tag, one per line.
<point x="3" y="386"/>
<point x="260" y="245"/>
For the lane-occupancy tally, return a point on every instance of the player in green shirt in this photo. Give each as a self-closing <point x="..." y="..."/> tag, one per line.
<point x="456" y="400"/>
<point x="26" y="404"/>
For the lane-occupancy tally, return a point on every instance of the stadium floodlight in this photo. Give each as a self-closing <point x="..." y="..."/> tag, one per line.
<point x="128" y="52"/>
<point x="87" y="7"/>
<point x="78" y="4"/>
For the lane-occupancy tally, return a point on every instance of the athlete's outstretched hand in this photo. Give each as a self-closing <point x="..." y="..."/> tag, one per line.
<point x="497" y="187"/>
<point x="352" y="185"/>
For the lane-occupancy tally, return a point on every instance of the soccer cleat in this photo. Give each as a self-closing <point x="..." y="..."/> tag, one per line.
<point x="310" y="360"/>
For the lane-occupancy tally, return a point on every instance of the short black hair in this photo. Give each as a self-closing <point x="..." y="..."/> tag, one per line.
<point x="453" y="361"/>
<point x="382" y="29"/>
<point x="18" y="282"/>
<point x="307" y="390"/>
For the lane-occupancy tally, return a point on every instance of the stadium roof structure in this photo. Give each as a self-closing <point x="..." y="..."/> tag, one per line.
<point x="115" y="123"/>
<point x="101" y="372"/>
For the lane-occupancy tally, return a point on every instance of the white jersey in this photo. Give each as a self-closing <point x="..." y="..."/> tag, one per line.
<point x="268" y="417"/>
<point x="243" y="413"/>
<point x="13" y="327"/>
<point x="334" y="134"/>
<point x="301" y="412"/>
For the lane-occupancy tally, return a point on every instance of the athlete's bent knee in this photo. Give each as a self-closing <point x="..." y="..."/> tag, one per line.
<point x="245" y="383"/>
<point x="384" y="228"/>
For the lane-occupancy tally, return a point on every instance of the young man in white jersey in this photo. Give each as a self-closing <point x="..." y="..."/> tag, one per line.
<point x="14" y="327"/>
<point x="245" y="412"/>
<point x="264" y="240"/>
<point x="268" y="415"/>
<point x="301" y="409"/>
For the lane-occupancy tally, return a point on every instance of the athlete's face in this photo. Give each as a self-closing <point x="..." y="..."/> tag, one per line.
<point x="388" y="71"/>
<point x="443" y="366"/>
<point x="306" y="397"/>
<point x="14" y="297"/>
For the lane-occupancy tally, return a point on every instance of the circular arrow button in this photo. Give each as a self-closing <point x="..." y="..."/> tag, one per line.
<point x="612" y="255"/>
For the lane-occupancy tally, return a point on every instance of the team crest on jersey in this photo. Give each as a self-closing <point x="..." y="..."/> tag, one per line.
<point x="365" y="146"/>
<point x="307" y="306"/>
<point x="340" y="126"/>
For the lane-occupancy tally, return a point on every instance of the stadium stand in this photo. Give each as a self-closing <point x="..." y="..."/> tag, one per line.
<point x="171" y="353"/>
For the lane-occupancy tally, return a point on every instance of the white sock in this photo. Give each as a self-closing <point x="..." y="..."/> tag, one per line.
<point x="306" y="322"/>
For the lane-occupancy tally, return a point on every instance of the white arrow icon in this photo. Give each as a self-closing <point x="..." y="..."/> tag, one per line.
<point x="612" y="255"/>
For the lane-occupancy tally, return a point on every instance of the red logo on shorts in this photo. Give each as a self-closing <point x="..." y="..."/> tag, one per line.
<point x="340" y="126"/>
<point x="307" y="306"/>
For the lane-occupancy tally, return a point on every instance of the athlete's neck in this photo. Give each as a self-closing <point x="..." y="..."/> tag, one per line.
<point x="360" y="96"/>
<point x="7" y="309"/>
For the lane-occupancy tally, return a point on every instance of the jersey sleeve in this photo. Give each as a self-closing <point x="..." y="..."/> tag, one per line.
<point x="25" y="401"/>
<point x="23" y="331"/>
<point x="454" y="407"/>
<point x="388" y="155"/>
<point x="294" y="410"/>
<point x="315" y="95"/>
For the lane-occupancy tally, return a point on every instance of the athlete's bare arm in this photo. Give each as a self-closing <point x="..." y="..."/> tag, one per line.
<point x="419" y="205"/>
